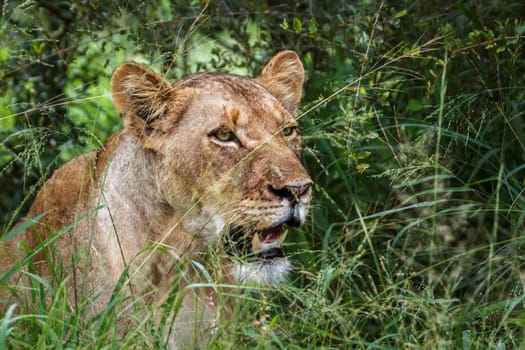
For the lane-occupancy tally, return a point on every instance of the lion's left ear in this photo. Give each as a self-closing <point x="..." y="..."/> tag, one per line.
<point x="148" y="103"/>
<point x="283" y="76"/>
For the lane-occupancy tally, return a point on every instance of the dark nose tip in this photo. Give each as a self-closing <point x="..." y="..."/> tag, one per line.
<point x="291" y="192"/>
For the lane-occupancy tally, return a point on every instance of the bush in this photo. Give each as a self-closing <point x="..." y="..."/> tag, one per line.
<point x="414" y="135"/>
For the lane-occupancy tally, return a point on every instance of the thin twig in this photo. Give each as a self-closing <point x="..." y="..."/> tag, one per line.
<point x="365" y="60"/>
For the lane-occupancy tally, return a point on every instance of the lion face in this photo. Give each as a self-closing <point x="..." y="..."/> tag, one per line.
<point x="227" y="154"/>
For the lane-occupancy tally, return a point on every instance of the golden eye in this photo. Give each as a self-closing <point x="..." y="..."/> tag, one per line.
<point x="289" y="131"/>
<point x="224" y="135"/>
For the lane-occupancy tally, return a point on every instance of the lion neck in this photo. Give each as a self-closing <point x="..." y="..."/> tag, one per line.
<point x="131" y="193"/>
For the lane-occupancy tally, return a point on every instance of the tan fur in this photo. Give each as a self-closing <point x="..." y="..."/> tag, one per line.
<point x="167" y="181"/>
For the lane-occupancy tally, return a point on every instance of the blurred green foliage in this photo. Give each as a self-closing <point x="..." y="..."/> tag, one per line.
<point x="413" y="124"/>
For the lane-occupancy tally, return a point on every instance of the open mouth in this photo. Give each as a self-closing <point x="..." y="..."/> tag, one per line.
<point x="256" y="245"/>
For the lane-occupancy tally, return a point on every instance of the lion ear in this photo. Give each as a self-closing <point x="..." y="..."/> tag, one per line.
<point x="283" y="76"/>
<point x="147" y="102"/>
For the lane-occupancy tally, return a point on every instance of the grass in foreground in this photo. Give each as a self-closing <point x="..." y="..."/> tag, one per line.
<point x="415" y="239"/>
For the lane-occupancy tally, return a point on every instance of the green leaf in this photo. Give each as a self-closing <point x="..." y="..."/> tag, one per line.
<point x="400" y="14"/>
<point x="38" y="47"/>
<point x="284" y="24"/>
<point x="4" y="54"/>
<point x="361" y="155"/>
<point x="312" y="26"/>
<point x="501" y="49"/>
<point x="30" y="222"/>
<point x="297" y="25"/>
<point x="5" y="330"/>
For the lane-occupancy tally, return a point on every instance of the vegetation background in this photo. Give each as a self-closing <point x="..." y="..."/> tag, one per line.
<point x="414" y="133"/>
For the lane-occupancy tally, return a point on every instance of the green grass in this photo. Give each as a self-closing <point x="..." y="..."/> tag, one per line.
<point x="413" y="132"/>
<point x="438" y="265"/>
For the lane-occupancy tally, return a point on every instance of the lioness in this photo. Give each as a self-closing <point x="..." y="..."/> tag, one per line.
<point x="206" y="169"/>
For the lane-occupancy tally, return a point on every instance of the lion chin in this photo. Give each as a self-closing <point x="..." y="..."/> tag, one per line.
<point x="270" y="271"/>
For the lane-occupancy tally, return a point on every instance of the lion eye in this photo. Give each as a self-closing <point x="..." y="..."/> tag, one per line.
<point x="224" y="135"/>
<point x="289" y="131"/>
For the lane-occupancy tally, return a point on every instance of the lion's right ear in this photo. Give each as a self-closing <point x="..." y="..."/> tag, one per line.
<point x="147" y="102"/>
<point x="283" y="76"/>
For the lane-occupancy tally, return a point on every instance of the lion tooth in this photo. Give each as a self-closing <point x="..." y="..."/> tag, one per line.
<point x="256" y="243"/>
<point x="282" y="237"/>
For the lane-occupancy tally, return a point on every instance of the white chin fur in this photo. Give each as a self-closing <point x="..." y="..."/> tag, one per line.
<point x="264" y="272"/>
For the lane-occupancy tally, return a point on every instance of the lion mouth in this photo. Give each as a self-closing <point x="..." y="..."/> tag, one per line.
<point x="256" y="245"/>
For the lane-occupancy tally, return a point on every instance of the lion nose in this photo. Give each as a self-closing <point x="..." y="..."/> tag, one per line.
<point x="291" y="192"/>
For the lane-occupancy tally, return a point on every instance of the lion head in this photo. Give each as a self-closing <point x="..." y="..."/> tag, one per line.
<point x="226" y="153"/>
